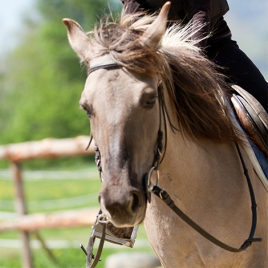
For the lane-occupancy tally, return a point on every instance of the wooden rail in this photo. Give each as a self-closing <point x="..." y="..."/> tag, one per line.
<point x="72" y="218"/>
<point x="47" y="148"/>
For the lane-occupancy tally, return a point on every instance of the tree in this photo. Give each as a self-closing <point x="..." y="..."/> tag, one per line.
<point x="41" y="84"/>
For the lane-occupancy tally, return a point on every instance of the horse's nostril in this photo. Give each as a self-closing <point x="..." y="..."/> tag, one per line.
<point x="135" y="201"/>
<point x="122" y="209"/>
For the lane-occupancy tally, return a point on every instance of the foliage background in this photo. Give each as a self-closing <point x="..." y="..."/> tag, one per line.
<point x="41" y="82"/>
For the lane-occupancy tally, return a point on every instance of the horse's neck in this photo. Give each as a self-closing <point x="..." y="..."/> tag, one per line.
<point x="205" y="171"/>
<point x="196" y="165"/>
<point x="206" y="181"/>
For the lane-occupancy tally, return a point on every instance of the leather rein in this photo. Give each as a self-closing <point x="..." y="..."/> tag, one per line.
<point x="164" y="196"/>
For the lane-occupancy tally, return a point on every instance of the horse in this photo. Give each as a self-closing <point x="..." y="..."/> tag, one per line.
<point x="160" y="117"/>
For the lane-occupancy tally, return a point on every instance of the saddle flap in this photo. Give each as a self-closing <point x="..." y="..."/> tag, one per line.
<point x="252" y="117"/>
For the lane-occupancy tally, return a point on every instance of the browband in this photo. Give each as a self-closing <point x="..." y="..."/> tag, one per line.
<point x="109" y="65"/>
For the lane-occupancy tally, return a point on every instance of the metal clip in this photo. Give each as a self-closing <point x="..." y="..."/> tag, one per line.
<point x="148" y="184"/>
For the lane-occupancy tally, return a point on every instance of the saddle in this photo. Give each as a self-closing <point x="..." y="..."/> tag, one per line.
<point x="252" y="116"/>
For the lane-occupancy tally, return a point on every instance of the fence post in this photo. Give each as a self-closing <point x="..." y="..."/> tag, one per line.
<point x="21" y="210"/>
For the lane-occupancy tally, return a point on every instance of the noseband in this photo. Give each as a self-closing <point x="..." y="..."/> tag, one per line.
<point x="163" y="195"/>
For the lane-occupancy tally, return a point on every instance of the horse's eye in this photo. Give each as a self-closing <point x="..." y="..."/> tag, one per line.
<point x="149" y="101"/>
<point x="88" y="113"/>
<point x="87" y="109"/>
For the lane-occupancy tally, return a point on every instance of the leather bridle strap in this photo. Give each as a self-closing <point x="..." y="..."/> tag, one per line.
<point x="90" y="255"/>
<point x="163" y="195"/>
<point x="89" y="252"/>
<point x="109" y="65"/>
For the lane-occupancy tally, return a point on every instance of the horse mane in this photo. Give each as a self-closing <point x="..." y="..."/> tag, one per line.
<point x="196" y="88"/>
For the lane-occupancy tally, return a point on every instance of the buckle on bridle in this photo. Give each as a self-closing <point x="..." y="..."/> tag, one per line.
<point x="148" y="185"/>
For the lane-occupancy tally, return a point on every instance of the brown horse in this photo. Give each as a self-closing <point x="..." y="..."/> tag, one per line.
<point x="155" y="102"/>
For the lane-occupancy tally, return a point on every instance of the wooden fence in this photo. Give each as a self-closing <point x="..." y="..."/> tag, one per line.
<point x="47" y="148"/>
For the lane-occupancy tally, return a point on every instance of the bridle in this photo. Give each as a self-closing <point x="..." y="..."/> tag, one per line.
<point x="162" y="194"/>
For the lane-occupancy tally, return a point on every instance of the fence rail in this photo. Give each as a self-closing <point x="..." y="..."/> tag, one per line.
<point x="29" y="223"/>
<point x="46" y="148"/>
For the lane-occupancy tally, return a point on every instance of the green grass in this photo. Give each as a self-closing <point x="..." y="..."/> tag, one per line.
<point x="41" y="194"/>
<point x="38" y="193"/>
<point x="66" y="257"/>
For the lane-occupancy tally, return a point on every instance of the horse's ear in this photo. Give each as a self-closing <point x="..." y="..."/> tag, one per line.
<point x="78" y="39"/>
<point x="156" y="30"/>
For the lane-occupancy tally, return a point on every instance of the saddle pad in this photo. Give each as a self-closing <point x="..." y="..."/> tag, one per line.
<point x="248" y="149"/>
<point x="256" y="166"/>
<point x="255" y="111"/>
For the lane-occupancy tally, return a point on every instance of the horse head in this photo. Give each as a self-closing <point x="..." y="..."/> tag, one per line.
<point x="124" y="113"/>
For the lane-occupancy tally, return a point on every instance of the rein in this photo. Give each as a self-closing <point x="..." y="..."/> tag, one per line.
<point x="165" y="197"/>
<point x="162" y="194"/>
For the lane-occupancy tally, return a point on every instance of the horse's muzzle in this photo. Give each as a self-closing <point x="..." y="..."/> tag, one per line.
<point x="125" y="210"/>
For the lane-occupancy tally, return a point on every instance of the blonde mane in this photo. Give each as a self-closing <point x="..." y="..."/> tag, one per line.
<point x="196" y="87"/>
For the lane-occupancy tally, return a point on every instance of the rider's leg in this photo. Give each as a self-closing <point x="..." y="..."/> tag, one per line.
<point x="241" y="70"/>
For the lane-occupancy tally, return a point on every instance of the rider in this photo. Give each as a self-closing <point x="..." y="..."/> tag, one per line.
<point x="219" y="47"/>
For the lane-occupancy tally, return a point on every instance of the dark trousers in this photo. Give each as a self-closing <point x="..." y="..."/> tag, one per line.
<point x="240" y="70"/>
